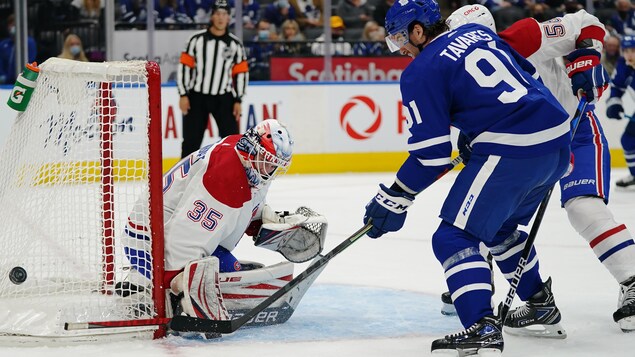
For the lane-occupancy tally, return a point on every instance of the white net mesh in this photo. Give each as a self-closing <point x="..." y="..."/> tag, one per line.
<point x="74" y="165"/>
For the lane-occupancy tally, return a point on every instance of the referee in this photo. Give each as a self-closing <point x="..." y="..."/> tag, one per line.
<point x="211" y="78"/>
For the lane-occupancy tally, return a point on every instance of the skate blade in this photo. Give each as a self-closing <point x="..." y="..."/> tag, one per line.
<point x="627" y="324"/>
<point x="543" y="331"/>
<point x="482" y="352"/>
<point x="448" y="310"/>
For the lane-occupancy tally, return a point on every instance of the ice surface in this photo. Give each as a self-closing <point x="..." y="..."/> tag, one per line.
<point x="381" y="297"/>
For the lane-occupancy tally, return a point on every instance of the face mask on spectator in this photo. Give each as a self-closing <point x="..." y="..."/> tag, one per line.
<point x="263" y="34"/>
<point x="12" y="30"/>
<point x="75" y="50"/>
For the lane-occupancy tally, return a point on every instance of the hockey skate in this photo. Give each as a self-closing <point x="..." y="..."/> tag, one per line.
<point x="539" y="317"/>
<point x="628" y="181"/>
<point x="484" y="338"/>
<point x="625" y="314"/>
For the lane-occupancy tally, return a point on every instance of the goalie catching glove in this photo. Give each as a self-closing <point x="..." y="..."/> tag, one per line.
<point x="299" y="237"/>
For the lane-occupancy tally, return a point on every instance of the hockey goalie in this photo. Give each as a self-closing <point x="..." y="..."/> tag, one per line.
<point x="211" y="199"/>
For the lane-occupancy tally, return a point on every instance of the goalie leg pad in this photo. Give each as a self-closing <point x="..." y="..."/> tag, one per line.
<point x="247" y="288"/>
<point x="200" y="285"/>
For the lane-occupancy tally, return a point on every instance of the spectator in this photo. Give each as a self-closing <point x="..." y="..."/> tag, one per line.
<point x="290" y="33"/>
<point x="338" y="47"/>
<point x="308" y="13"/>
<point x="7" y="53"/>
<point x="355" y="13"/>
<point x="172" y="12"/>
<point x="623" y="21"/>
<point x="260" y="51"/>
<point x="89" y="9"/>
<point x="251" y="13"/>
<point x="611" y="53"/>
<point x="279" y="12"/>
<point x="198" y="10"/>
<point x="73" y="49"/>
<point x="379" y="15"/>
<point x="507" y="14"/>
<point x="266" y="31"/>
<point x="572" y="6"/>
<point x="372" y="43"/>
<point x="133" y="11"/>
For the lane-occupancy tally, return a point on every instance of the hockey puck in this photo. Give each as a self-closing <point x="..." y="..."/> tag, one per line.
<point x="17" y="275"/>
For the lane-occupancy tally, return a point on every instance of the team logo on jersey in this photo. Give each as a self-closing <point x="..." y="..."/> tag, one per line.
<point x="227" y="53"/>
<point x="345" y="121"/>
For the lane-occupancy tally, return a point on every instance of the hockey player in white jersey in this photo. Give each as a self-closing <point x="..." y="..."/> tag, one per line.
<point x="211" y="199"/>
<point x="585" y="191"/>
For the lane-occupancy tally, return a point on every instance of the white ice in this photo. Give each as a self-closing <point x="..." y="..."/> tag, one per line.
<point x="381" y="297"/>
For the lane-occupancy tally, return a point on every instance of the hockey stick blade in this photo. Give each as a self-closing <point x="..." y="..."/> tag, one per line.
<point x="192" y="324"/>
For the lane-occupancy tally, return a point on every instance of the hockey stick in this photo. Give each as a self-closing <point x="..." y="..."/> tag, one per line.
<point x="529" y="243"/>
<point x="193" y="324"/>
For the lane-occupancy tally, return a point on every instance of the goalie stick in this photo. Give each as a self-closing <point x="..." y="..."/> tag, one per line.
<point x="529" y="243"/>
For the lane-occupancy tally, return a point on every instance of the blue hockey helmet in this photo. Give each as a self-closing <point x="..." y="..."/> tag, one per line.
<point x="628" y="42"/>
<point x="402" y="13"/>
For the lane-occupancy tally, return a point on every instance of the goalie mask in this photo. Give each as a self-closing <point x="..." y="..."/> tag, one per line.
<point x="265" y="151"/>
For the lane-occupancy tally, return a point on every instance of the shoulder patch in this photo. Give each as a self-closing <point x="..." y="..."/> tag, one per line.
<point x="225" y="177"/>
<point x="524" y="36"/>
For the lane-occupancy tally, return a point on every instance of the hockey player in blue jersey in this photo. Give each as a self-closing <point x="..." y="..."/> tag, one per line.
<point x="584" y="192"/>
<point x="520" y="136"/>
<point x="623" y="78"/>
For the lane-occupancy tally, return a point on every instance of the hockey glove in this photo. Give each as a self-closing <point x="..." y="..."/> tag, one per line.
<point x="614" y="108"/>
<point x="588" y="76"/>
<point x="465" y="149"/>
<point x="387" y="211"/>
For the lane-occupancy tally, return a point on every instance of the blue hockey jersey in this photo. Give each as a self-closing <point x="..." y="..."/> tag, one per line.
<point x="472" y="80"/>
<point x="622" y="78"/>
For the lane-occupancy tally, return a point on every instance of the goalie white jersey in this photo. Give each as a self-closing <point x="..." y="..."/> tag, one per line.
<point x="207" y="202"/>
<point x="544" y="44"/>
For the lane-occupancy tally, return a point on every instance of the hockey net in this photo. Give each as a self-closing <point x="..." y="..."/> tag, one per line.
<point x="85" y="151"/>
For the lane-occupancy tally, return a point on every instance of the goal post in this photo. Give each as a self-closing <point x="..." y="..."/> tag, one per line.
<point x="81" y="205"/>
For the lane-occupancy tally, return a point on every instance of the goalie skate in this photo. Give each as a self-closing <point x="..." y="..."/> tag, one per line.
<point x="625" y="314"/>
<point x="539" y="317"/>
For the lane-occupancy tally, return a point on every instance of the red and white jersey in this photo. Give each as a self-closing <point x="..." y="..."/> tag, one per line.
<point x="544" y="44"/>
<point x="207" y="202"/>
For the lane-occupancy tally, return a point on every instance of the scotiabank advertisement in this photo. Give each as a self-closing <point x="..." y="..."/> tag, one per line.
<point x="322" y="118"/>
<point x="344" y="68"/>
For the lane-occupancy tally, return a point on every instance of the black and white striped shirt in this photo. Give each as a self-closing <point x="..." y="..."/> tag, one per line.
<point x="213" y="65"/>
